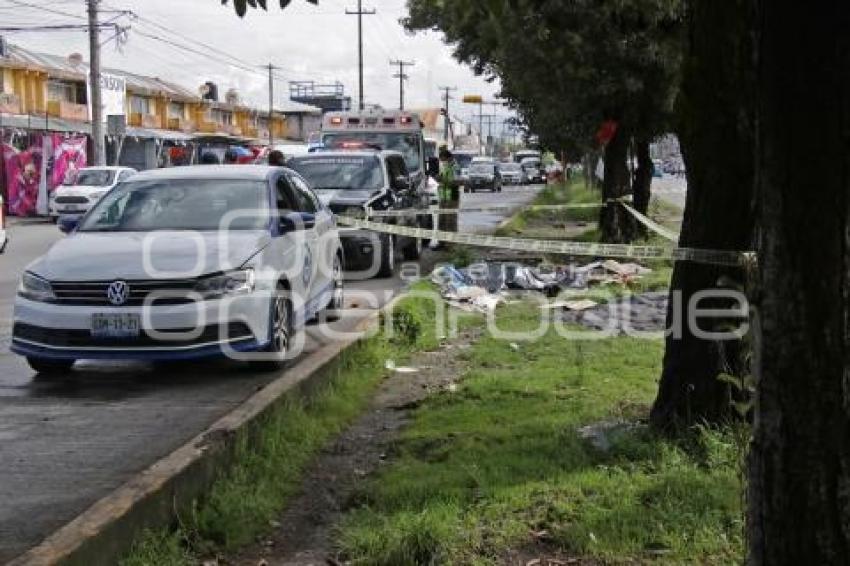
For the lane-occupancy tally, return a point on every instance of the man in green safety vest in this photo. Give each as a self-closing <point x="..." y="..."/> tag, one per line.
<point x="448" y="192"/>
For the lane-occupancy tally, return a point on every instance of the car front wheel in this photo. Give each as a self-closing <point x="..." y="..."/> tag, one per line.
<point x="387" y="256"/>
<point x="280" y="333"/>
<point x="334" y="309"/>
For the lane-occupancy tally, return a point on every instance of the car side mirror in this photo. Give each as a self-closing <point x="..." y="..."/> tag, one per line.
<point x="433" y="167"/>
<point x="68" y="224"/>
<point x="296" y="222"/>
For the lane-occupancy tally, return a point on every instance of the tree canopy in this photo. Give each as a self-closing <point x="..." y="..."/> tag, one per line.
<point x="241" y="6"/>
<point x="567" y="67"/>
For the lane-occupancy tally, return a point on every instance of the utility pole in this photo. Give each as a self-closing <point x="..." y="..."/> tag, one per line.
<point x="360" y="13"/>
<point x="401" y="76"/>
<point x="271" y="69"/>
<point x="446" y="97"/>
<point x="99" y="157"/>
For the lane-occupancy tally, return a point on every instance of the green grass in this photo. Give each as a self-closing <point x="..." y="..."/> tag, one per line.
<point x="553" y="224"/>
<point x="481" y="468"/>
<point x="242" y="504"/>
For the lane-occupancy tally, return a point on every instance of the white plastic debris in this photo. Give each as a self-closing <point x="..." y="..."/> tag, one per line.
<point x="390" y="365"/>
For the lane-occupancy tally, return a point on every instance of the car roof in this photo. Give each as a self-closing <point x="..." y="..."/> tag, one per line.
<point x="242" y="172"/>
<point x="349" y="153"/>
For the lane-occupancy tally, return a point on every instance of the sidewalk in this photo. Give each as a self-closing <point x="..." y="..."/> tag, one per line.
<point x="25" y="220"/>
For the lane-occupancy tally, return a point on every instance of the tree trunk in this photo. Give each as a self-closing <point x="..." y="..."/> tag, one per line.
<point x="799" y="473"/>
<point x="615" y="224"/>
<point x="715" y="117"/>
<point x="642" y="181"/>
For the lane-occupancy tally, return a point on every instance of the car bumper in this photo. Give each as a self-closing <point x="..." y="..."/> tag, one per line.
<point x="68" y="209"/>
<point x="190" y="331"/>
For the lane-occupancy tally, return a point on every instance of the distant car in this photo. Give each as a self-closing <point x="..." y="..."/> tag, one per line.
<point x="88" y="187"/>
<point x="534" y="171"/>
<point x="484" y="176"/>
<point x="3" y="238"/>
<point x="463" y="159"/>
<point x="351" y="181"/>
<point x="512" y="173"/>
<point x="183" y="263"/>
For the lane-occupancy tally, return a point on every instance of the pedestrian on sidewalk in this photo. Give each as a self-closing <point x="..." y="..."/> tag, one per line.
<point x="448" y="192"/>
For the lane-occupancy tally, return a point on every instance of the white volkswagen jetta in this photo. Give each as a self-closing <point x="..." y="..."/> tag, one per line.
<point x="183" y="263"/>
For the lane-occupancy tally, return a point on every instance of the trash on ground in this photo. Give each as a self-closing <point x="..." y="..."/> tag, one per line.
<point x="581" y="305"/>
<point x="481" y="287"/>
<point x="390" y="365"/>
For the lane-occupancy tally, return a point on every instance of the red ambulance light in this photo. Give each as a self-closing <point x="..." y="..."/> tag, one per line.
<point x="406" y="120"/>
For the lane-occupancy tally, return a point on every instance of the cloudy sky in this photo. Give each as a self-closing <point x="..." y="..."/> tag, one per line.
<point x="307" y="43"/>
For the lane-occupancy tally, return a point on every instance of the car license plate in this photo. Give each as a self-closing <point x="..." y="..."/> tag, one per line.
<point x="115" y="325"/>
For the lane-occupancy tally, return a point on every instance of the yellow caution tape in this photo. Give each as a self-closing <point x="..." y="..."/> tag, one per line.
<point x="652" y="225"/>
<point x="412" y="213"/>
<point x="713" y="257"/>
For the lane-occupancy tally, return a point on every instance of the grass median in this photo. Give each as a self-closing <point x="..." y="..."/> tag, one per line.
<point x="541" y="451"/>
<point x="244" y="503"/>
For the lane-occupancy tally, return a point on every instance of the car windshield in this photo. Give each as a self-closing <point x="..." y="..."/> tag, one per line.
<point x="463" y="159"/>
<point x="484" y="168"/>
<point x="94" y="178"/>
<point x="408" y="144"/>
<point x="510" y="167"/>
<point x="182" y="204"/>
<point x="530" y="164"/>
<point x="340" y="172"/>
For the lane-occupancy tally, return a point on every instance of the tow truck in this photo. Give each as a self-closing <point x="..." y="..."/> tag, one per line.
<point x="389" y="130"/>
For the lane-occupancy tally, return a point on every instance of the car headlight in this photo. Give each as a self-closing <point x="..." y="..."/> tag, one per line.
<point x="232" y="283"/>
<point x="35" y="288"/>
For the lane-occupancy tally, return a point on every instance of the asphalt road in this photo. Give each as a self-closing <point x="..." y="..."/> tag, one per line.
<point x="672" y="189"/>
<point x="65" y="444"/>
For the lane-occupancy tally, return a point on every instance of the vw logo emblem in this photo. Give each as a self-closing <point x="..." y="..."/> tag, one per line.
<point x="118" y="292"/>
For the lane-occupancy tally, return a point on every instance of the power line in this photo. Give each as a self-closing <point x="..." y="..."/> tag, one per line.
<point x="19" y="3"/>
<point x="401" y="76"/>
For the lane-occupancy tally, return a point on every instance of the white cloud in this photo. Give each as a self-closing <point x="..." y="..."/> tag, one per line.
<point x="307" y="42"/>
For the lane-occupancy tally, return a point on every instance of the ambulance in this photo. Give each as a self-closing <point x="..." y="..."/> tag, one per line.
<point x="388" y="130"/>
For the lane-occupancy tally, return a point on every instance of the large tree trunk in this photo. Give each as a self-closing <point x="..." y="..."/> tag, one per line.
<point x="642" y="182"/>
<point x="615" y="224"/>
<point x="715" y="132"/>
<point x="799" y="474"/>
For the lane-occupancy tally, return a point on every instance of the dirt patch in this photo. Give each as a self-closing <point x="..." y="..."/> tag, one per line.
<point x="302" y="535"/>
<point x="542" y="555"/>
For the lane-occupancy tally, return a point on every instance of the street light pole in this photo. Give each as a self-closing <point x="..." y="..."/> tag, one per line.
<point x="446" y="98"/>
<point x="271" y="104"/>
<point x="401" y="76"/>
<point x="98" y="146"/>
<point x="360" y="12"/>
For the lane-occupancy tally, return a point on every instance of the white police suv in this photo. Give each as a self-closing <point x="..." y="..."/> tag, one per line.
<point x="183" y="263"/>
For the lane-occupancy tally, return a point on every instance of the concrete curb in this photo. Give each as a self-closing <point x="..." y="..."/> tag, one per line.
<point x="106" y="530"/>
